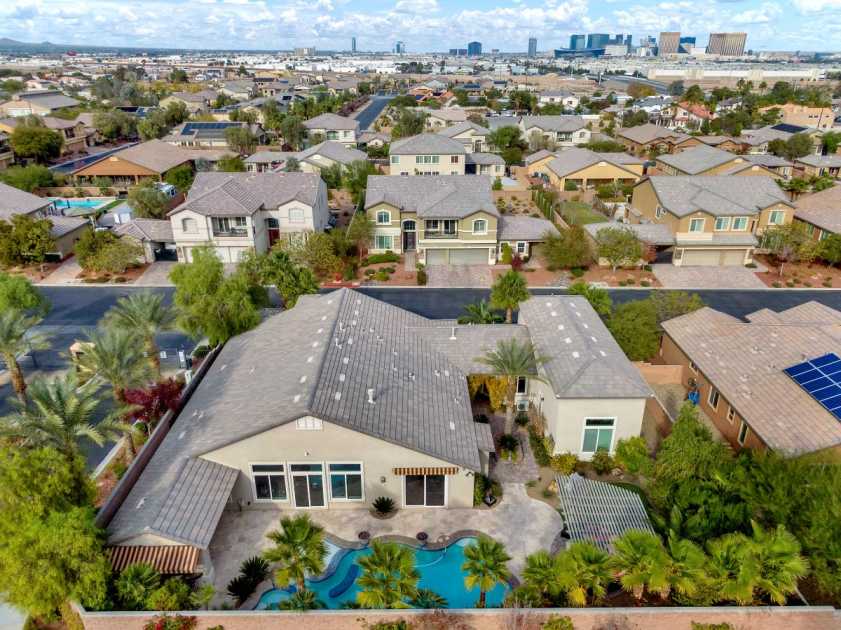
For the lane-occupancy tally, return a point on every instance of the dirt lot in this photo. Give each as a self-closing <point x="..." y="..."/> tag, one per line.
<point x="131" y="274"/>
<point x="798" y="274"/>
<point x="620" y="277"/>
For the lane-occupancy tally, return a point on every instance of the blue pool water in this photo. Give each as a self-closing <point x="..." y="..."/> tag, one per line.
<point x="79" y="204"/>
<point x="440" y="571"/>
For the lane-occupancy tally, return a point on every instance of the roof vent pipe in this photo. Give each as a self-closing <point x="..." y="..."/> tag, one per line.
<point x="371" y="397"/>
<point x="453" y="334"/>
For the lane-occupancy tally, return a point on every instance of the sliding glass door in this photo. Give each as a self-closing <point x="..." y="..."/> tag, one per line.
<point x="425" y="490"/>
<point x="308" y="485"/>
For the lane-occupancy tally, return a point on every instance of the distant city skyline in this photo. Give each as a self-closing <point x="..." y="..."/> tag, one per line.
<point x="424" y="25"/>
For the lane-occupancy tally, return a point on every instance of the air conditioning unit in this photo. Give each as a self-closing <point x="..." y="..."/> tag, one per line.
<point x="523" y="405"/>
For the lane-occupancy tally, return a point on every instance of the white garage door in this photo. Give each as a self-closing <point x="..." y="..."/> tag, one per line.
<point x="701" y="258"/>
<point x="733" y="257"/>
<point x="436" y="257"/>
<point x="468" y="256"/>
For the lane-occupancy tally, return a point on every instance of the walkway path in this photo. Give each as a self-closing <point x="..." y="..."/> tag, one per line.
<point x="64" y="274"/>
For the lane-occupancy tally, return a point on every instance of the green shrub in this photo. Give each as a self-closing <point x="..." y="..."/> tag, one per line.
<point x="481" y="484"/>
<point x="632" y="455"/>
<point x="538" y="448"/>
<point x="507" y="255"/>
<point x="240" y="588"/>
<point x="564" y="463"/>
<point x="508" y="446"/>
<point x="383" y="505"/>
<point x="645" y="283"/>
<point x="201" y="351"/>
<point x="120" y="279"/>
<point x="174" y="594"/>
<point x="570" y="186"/>
<point x="776" y="284"/>
<point x="349" y="273"/>
<point x="648" y="268"/>
<point x="381" y="275"/>
<point x="577" y="272"/>
<point x="521" y="419"/>
<point x="387" y="257"/>
<point x="255" y="568"/>
<point x="497" y="185"/>
<point x="422" y="278"/>
<point x="602" y="461"/>
<point x="119" y="468"/>
<point x="558" y="623"/>
<point x="370" y="272"/>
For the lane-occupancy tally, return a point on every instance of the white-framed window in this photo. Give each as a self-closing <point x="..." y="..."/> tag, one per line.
<point x="296" y="215"/>
<point x="425" y="490"/>
<point x="521" y="247"/>
<point x="453" y="159"/>
<point x="696" y="225"/>
<point x="345" y="482"/>
<point x="189" y="226"/>
<point x="743" y="433"/>
<point x="659" y="212"/>
<point x="740" y="224"/>
<point x="383" y="217"/>
<point x="712" y="398"/>
<point x="382" y="241"/>
<point x="777" y="217"/>
<point x="722" y="223"/>
<point x="480" y="226"/>
<point x="308" y="423"/>
<point x="395" y="159"/>
<point x="598" y="434"/>
<point x="731" y="414"/>
<point x="269" y="482"/>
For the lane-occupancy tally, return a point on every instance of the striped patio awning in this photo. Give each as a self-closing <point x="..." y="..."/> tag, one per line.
<point x="166" y="559"/>
<point x="430" y="470"/>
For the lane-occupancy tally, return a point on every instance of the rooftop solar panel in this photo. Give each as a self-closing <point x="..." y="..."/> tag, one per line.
<point x="821" y="379"/>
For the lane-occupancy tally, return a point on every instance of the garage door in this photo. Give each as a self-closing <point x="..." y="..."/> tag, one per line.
<point x="701" y="257"/>
<point x="468" y="256"/>
<point x="436" y="257"/>
<point x="733" y="257"/>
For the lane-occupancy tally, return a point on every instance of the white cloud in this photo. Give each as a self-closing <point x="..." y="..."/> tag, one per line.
<point x="813" y="6"/>
<point x="416" y="6"/>
<point x="763" y="15"/>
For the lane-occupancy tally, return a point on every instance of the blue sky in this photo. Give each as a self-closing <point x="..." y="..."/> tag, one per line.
<point x="422" y="24"/>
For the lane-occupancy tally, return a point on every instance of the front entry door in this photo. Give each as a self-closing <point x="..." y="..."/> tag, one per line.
<point x="409" y="236"/>
<point x="308" y="485"/>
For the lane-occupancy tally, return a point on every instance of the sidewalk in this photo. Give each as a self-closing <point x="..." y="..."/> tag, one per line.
<point x="65" y="274"/>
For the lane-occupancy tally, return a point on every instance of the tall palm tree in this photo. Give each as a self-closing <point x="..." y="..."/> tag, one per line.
<point x="301" y="601"/>
<point x="60" y="414"/>
<point x="642" y="563"/>
<point x="16" y="340"/>
<point x="590" y="567"/>
<point x="389" y="577"/>
<point x="512" y="359"/>
<point x="485" y="563"/>
<point x="299" y="550"/>
<point x="479" y="313"/>
<point x="145" y="314"/>
<point x="507" y="293"/>
<point x="115" y="356"/>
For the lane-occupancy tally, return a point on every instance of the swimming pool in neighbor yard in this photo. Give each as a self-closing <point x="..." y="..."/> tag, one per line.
<point x="80" y="205"/>
<point x="440" y="571"/>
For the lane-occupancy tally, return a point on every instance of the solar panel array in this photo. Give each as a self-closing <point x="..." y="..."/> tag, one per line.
<point x="190" y="127"/>
<point x="821" y="379"/>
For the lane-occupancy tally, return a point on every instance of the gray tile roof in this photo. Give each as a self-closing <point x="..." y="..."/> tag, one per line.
<point x="575" y="159"/>
<point x="442" y="196"/>
<point x="523" y="228"/>
<point x="463" y="344"/>
<point x="598" y="511"/>
<point x="62" y="226"/>
<point x="484" y="437"/>
<point x="51" y="101"/>
<point x="553" y="123"/>
<point x="652" y="233"/>
<point x="497" y="122"/>
<point x="643" y="134"/>
<point x="156" y="230"/>
<point x="426" y="144"/>
<point x="825" y="161"/>
<point x="719" y="195"/>
<point x="16" y="201"/>
<point x="332" y="121"/>
<point x="583" y="358"/>
<point x="266" y="157"/>
<point x="822" y="209"/>
<point x="156" y="155"/>
<point x="767" y="160"/>
<point x="537" y="156"/>
<point x="696" y="160"/>
<point x="238" y="194"/>
<point x="484" y="159"/>
<point x="334" y="151"/>
<point x="448" y="114"/>
<point x="745" y="362"/>
<point x="467" y="125"/>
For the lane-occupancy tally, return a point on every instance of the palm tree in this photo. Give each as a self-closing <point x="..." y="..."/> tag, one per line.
<point x="302" y="601"/>
<point x="427" y="598"/>
<point x="146" y="315"/>
<point x="689" y="566"/>
<point x="733" y="567"/>
<point x="389" y="577"/>
<point x="641" y="563"/>
<point x="114" y="355"/>
<point x="548" y="576"/>
<point x="60" y="414"/>
<point x="14" y="342"/>
<point x="507" y="293"/>
<point x="590" y="567"/>
<point x="299" y="550"/>
<point x="134" y="585"/>
<point x="511" y="360"/>
<point x="780" y="562"/>
<point x="485" y="565"/>
<point x="479" y="313"/>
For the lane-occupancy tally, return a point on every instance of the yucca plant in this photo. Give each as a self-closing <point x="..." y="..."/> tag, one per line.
<point x="383" y="505"/>
<point x="241" y="588"/>
<point x="256" y="568"/>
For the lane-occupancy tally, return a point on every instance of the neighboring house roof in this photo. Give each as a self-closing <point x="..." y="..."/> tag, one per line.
<point x="780" y="131"/>
<point x="484" y="159"/>
<point x="768" y="160"/>
<point x="714" y="141"/>
<point x="448" y="114"/>
<point x="821" y="161"/>
<point x="332" y="121"/>
<point x="236" y="194"/>
<point x="16" y="201"/>
<point x="467" y="125"/>
<point x="206" y="130"/>
<point x="368" y="136"/>
<point x="156" y="230"/>
<point x="822" y="209"/>
<point x="554" y="123"/>
<point x="47" y="100"/>
<point x="537" y="156"/>
<point x="195" y="97"/>
<point x="598" y="511"/>
<point x="497" y="122"/>
<point x="155" y="155"/>
<point x="334" y="151"/>
<point x="522" y="228"/>
<point x="652" y="233"/>
<point x="643" y="134"/>
<point x="426" y="144"/>
<point x="698" y="159"/>
<point x="589" y="363"/>
<point x="266" y="157"/>
<point x="441" y="196"/>
<point x="696" y="109"/>
<point x="745" y="362"/>
<point x="65" y="225"/>
<point x="556" y="94"/>
<point x="576" y="159"/>
<point x="719" y="195"/>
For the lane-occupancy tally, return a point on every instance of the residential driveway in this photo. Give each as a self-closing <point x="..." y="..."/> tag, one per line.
<point x="156" y="275"/>
<point x="462" y="276"/>
<point x="672" y="277"/>
<point x="64" y="274"/>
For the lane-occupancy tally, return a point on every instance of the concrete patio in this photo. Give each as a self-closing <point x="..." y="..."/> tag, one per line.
<point x="521" y="523"/>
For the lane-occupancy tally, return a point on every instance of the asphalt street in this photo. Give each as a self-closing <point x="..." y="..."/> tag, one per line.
<point x="368" y="115"/>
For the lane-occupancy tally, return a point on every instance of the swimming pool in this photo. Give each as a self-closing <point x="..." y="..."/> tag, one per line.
<point x="80" y="205"/>
<point x="440" y="571"/>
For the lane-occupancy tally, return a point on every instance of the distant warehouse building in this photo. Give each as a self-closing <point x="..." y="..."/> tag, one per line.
<point x="727" y="44"/>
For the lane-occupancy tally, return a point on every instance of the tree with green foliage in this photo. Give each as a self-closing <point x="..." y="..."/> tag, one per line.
<point x="360" y="232"/>
<point x="389" y="578"/>
<point x="797" y="146"/>
<point x="181" y="177"/>
<point x="115" y="257"/>
<point x="298" y="550"/>
<point x="598" y="298"/>
<point x="634" y="326"/>
<point x="115" y="124"/>
<point x="28" y="178"/>
<point x="18" y="339"/>
<point x="355" y="179"/>
<point x="173" y="594"/>
<point x="292" y="166"/>
<point x="230" y="164"/>
<point x="829" y="249"/>
<point x="567" y="249"/>
<point x="209" y="303"/>
<point x="479" y="313"/>
<point x="831" y="141"/>
<point x="506" y="137"/>
<point x="642" y="564"/>
<point x="511" y="360"/>
<point x="292" y="131"/>
<point x="316" y="252"/>
<point x="36" y="142"/>
<point x="429" y="599"/>
<point x="485" y="566"/>
<point x="116" y="356"/>
<point x="619" y="246"/>
<point x="671" y="304"/>
<point x="90" y="243"/>
<point x="789" y="243"/>
<point x="632" y="455"/>
<point x="634" y="119"/>
<point x="676" y="88"/>
<point x="605" y="146"/>
<point x="589" y="568"/>
<point x="18" y="293"/>
<point x="408" y="123"/>
<point x="507" y="292"/>
<point x="25" y="239"/>
<point x="332" y="175"/>
<point x="153" y="126"/>
<point x="694" y="94"/>
<point x="135" y="585"/>
<point x="240" y="139"/>
<point x="277" y="269"/>
<point x="147" y="201"/>
<point x="302" y="601"/>
<point x="145" y="314"/>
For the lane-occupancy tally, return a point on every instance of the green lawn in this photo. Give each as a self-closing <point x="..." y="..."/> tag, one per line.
<point x="580" y="213"/>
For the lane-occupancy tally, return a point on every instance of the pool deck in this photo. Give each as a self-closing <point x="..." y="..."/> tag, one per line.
<point x="521" y="523"/>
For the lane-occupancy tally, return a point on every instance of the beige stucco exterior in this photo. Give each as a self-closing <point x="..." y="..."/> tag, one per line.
<point x="288" y="444"/>
<point x="596" y="175"/>
<point x="446" y="164"/>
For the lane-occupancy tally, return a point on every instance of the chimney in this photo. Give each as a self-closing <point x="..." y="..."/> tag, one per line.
<point x="371" y="397"/>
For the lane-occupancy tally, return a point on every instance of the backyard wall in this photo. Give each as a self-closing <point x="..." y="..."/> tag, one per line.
<point x="756" y="618"/>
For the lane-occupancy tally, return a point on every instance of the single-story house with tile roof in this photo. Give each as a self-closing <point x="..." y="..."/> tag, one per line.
<point x="778" y="165"/>
<point x="426" y="154"/>
<point x="128" y="167"/>
<point x="364" y="399"/>
<point x="523" y="234"/>
<point x="715" y="219"/>
<point x="561" y="130"/>
<point x="473" y="136"/>
<point x="558" y="97"/>
<point x="195" y="102"/>
<point x="654" y="236"/>
<point x="820" y="212"/>
<point x="725" y="143"/>
<point x="756" y="140"/>
<point x="819" y="165"/>
<point x="210" y="135"/>
<point x="707" y="160"/>
<point x="739" y="368"/>
<point x="36" y="103"/>
<point x="373" y="139"/>
<point x="310" y="160"/>
<point x="585" y="168"/>
<point x="153" y="235"/>
<point x="333" y="127"/>
<point x="645" y="138"/>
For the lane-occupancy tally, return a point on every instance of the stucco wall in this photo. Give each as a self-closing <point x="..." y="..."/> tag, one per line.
<point x="408" y="164"/>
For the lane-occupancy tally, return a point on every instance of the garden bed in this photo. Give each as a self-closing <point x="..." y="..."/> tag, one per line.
<point x="131" y="274"/>
<point x="535" y="276"/>
<point x="800" y="275"/>
<point x="620" y="277"/>
<point x="34" y="273"/>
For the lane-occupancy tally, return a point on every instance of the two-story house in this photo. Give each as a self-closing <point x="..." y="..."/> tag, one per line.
<point x="650" y="138"/>
<point x="715" y="219"/>
<point x="584" y="168"/>
<point x="36" y="103"/>
<point x="707" y="160"/>
<point x="332" y="127"/>
<point x="474" y="137"/>
<point x="195" y="102"/>
<point x="557" y="131"/>
<point x="238" y="212"/>
<point x="565" y="98"/>
<point x="427" y="154"/>
<point x="73" y="133"/>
